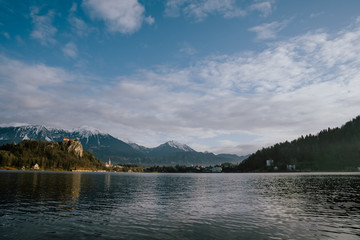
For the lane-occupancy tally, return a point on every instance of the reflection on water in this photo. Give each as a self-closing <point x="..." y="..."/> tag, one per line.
<point x="179" y="206"/>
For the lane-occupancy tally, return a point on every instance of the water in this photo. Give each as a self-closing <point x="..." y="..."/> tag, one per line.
<point x="62" y="205"/>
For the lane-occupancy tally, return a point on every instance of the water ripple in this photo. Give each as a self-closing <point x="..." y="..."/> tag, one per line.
<point x="179" y="206"/>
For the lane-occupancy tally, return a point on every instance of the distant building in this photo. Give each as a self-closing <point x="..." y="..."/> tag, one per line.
<point x="108" y="164"/>
<point x="70" y="140"/>
<point x="290" y="167"/>
<point x="269" y="162"/>
<point x="36" y="167"/>
<point x="216" y="170"/>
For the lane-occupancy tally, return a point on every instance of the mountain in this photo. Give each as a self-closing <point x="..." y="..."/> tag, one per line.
<point x="169" y="148"/>
<point x="336" y="149"/>
<point x="105" y="147"/>
<point x="102" y="145"/>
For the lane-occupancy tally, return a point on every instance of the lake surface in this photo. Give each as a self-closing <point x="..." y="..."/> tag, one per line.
<point x="64" y="205"/>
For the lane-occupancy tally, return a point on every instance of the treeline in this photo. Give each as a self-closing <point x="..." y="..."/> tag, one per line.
<point x="168" y="169"/>
<point x="184" y="169"/>
<point x="335" y="149"/>
<point x="177" y="158"/>
<point x="48" y="155"/>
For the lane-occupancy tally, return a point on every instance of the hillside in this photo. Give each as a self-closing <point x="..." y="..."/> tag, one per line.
<point x="48" y="155"/>
<point x="105" y="147"/>
<point x="335" y="149"/>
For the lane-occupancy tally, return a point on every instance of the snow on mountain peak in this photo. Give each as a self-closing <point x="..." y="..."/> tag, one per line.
<point x="180" y="146"/>
<point x="87" y="131"/>
<point x="39" y="128"/>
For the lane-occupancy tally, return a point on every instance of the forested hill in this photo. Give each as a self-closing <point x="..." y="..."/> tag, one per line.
<point x="335" y="149"/>
<point x="48" y="156"/>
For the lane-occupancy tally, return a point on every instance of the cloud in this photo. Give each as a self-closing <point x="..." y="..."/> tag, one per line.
<point x="149" y="20"/>
<point x="70" y="50"/>
<point x="124" y="16"/>
<point x="289" y="89"/>
<point x="187" y="49"/>
<point x="199" y="10"/>
<point x="264" y="7"/>
<point x="293" y="87"/>
<point x="78" y="25"/>
<point x="73" y="7"/>
<point x="269" y="30"/>
<point x="43" y="30"/>
<point x="25" y="86"/>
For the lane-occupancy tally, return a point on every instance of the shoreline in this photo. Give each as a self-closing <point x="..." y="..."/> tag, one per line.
<point x="2" y="169"/>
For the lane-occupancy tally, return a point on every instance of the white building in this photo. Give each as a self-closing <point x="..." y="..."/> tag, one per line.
<point x="269" y="162"/>
<point x="290" y="167"/>
<point x="108" y="164"/>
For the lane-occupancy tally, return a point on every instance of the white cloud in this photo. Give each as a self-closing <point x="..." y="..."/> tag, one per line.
<point x="294" y="87"/>
<point x="149" y="20"/>
<point x="124" y="16"/>
<point x="199" y="10"/>
<point x="70" y="50"/>
<point x="264" y="7"/>
<point x="73" y="7"/>
<point x="173" y="7"/>
<point x="268" y="30"/>
<point x="43" y="30"/>
<point x="187" y="49"/>
<point x="78" y="25"/>
<point x="26" y="86"/>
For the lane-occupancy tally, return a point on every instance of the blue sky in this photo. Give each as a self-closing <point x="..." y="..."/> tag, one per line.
<point x="219" y="75"/>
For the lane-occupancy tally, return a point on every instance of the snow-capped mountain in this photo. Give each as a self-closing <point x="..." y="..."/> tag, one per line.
<point x="18" y="134"/>
<point x="169" y="148"/>
<point x="179" y="146"/>
<point x="105" y="147"/>
<point x="41" y="132"/>
<point x="100" y="144"/>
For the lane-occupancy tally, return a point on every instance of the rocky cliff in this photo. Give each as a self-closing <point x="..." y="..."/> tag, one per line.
<point x="74" y="146"/>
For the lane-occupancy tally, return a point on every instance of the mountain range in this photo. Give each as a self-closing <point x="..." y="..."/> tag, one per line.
<point x="105" y="147"/>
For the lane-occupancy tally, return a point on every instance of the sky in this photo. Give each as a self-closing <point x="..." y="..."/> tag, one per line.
<point x="222" y="76"/>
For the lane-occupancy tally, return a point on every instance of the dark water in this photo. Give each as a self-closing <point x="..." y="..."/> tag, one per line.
<point x="55" y="205"/>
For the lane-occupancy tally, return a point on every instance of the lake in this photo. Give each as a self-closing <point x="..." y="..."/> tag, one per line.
<point x="65" y="205"/>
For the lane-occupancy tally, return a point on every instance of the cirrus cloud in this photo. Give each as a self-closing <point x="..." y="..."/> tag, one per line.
<point x="264" y="7"/>
<point x="43" y="30"/>
<point x="199" y="10"/>
<point x="269" y="30"/>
